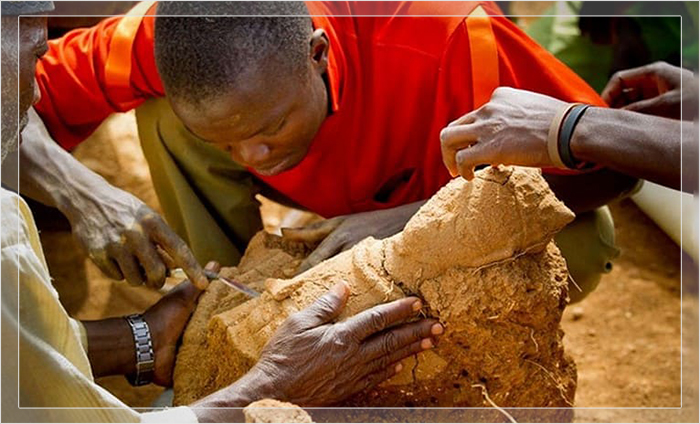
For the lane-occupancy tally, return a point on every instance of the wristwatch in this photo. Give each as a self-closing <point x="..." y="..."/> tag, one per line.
<point x="145" y="358"/>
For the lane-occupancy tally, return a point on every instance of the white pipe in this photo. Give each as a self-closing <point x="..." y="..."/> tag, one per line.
<point x="675" y="212"/>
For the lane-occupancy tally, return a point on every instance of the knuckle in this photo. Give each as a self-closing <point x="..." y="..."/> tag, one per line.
<point x="324" y="306"/>
<point x="295" y="322"/>
<point x="390" y="343"/>
<point x="381" y="363"/>
<point x="420" y="330"/>
<point x="377" y="319"/>
<point x="659" y="64"/>
<point x="149" y="219"/>
<point x="156" y="272"/>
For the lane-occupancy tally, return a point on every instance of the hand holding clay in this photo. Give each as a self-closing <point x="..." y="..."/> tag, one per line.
<point x="122" y="236"/>
<point x="311" y="361"/>
<point x="166" y="320"/>
<point x="343" y="232"/>
<point x="117" y="230"/>
<point x="511" y="129"/>
<point x="653" y="89"/>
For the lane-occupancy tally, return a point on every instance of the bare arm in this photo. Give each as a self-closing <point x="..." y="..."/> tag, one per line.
<point x="117" y="230"/>
<point x="110" y="347"/>
<point x="512" y="129"/>
<point x="635" y="144"/>
<point x="111" y="342"/>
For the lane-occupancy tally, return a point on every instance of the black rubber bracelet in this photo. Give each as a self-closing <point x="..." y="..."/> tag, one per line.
<point x="567" y="130"/>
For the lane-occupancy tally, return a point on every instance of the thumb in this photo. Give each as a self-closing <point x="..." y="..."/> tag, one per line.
<point x="329" y="306"/>
<point x="313" y="233"/>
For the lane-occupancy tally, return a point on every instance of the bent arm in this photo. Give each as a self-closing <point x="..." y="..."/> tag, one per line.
<point x="635" y="144"/>
<point x="53" y="176"/>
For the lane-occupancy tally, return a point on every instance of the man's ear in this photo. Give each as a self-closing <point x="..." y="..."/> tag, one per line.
<point x="318" y="51"/>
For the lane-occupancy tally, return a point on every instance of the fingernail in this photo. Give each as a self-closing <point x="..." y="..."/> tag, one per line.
<point x="426" y="344"/>
<point x="417" y="305"/>
<point x="342" y="288"/>
<point x="398" y="368"/>
<point x="436" y="329"/>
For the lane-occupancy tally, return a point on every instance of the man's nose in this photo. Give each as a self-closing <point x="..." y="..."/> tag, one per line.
<point x="254" y="153"/>
<point x="37" y="93"/>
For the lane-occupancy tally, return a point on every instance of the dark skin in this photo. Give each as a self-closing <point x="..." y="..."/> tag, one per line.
<point x="269" y="123"/>
<point x="338" y="234"/>
<point x="310" y="361"/>
<point x="111" y="342"/>
<point x="121" y="234"/>
<point x="657" y="89"/>
<point x="512" y="129"/>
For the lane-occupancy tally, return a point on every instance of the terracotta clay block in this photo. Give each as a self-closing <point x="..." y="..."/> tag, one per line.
<point x="481" y="257"/>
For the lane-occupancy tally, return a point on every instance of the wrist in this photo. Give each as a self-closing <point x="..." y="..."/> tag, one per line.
<point x="253" y="386"/>
<point x="581" y="148"/>
<point x="80" y="196"/>
<point x="226" y="405"/>
<point x="110" y="347"/>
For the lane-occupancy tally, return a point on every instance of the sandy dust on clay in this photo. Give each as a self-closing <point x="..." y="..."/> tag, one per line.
<point x="499" y="292"/>
<point x="625" y="338"/>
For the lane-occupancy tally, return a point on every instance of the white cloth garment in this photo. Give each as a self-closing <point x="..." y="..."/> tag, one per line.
<point x="51" y="381"/>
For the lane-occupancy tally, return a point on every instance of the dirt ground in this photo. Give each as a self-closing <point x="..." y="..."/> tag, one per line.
<point x="625" y="337"/>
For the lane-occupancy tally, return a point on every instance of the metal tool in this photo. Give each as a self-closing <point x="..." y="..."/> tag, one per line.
<point x="240" y="287"/>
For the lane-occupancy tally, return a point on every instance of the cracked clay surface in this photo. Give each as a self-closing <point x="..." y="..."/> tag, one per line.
<point x="480" y="254"/>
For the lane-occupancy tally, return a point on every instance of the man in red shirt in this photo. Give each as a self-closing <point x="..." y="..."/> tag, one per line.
<point x="339" y="114"/>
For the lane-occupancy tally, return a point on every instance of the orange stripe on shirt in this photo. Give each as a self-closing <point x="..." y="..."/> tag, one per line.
<point x="118" y="66"/>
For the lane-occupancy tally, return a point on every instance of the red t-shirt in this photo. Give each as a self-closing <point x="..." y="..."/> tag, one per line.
<point x="395" y="82"/>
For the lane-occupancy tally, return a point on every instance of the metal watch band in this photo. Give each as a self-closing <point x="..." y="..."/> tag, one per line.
<point x="145" y="358"/>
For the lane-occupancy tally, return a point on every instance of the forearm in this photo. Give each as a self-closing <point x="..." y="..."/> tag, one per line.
<point x="110" y="347"/>
<point x="51" y="175"/>
<point x="635" y="144"/>
<point x="226" y="405"/>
